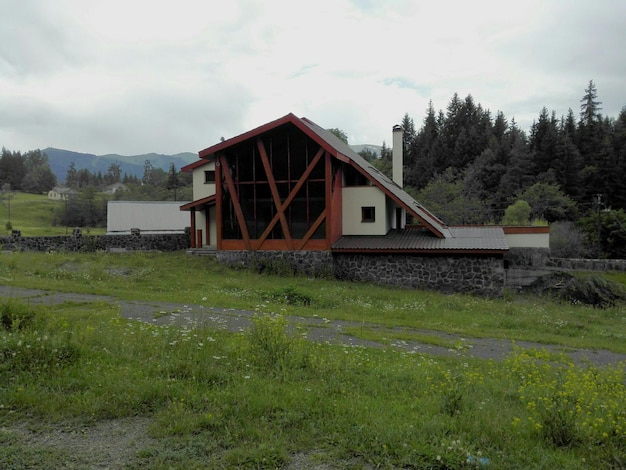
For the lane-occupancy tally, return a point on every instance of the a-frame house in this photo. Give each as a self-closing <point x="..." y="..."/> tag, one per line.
<point x="292" y="185"/>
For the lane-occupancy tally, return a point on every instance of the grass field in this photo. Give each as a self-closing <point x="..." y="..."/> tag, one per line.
<point x="264" y="399"/>
<point x="33" y="215"/>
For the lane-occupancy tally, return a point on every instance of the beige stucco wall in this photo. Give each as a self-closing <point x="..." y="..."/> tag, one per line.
<point x="354" y="198"/>
<point x="201" y="225"/>
<point x="528" y="240"/>
<point x="211" y="240"/>
<point x="200" y="188"/>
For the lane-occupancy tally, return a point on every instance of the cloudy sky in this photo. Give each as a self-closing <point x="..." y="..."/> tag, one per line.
<point x="139" y="76"/>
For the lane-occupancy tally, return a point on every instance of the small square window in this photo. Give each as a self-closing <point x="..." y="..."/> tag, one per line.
<point x="368" y="214"/>
<point x="209" y="176"/>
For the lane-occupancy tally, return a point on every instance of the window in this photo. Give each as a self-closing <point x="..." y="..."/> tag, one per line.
<point x="209" y="177"/>
<point x="368" y="214"/>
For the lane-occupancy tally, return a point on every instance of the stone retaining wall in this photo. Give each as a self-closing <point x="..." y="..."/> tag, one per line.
<point x="309" y="263"/>
<point x="135" y="241"/>
<point x="477" y="274"/>
<point x="482" y="275"/>
<point x="539" y="258"/>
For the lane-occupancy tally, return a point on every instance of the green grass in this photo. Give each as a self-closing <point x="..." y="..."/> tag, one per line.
<point x="254" y="400"/>
<point x="34" y="215"/>
<point x="257" y="399"/>
<point x="174" y="277"/>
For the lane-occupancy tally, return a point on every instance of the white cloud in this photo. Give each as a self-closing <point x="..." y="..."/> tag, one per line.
<point x="136" y="76"/>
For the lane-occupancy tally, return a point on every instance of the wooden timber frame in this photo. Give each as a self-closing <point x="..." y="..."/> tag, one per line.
<point x="278" y="190"/>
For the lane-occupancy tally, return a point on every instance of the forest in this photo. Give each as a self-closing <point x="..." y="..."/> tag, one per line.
<point x="469" y="167"/>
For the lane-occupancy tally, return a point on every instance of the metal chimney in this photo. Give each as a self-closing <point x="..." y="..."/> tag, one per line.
<point x="396" y="155"/>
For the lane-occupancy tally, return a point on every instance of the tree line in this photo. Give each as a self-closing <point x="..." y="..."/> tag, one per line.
<point x="86" y="204"/>
<point x="470" y="167"/>
<point x="29" y="172"/>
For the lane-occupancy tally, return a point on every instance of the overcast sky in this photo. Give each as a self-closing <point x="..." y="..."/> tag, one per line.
<point x="139" y="76"/>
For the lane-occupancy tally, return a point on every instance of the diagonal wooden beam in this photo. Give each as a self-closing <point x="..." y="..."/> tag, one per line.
<point x="233" y="195"/>
<point x="293" y="193"/>
<point x="311" y="231"/>
<point x="274" y="191"/>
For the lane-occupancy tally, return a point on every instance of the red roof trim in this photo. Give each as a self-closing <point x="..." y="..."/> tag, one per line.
<point x="525" y="230"/>
<point x="200" y="202"/>
<point x="194" y="165"/>
<point x="247" y="135"/>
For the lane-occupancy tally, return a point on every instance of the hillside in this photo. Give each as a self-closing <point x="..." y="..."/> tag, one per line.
<point x="60" y="161"/>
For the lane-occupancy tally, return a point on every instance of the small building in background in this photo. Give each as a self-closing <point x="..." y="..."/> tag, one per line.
<point x="61" y="193"/>
<point x="114" y="188"/>
<point x="147" y="216"/>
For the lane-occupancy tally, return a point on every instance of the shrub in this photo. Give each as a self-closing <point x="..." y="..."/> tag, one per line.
<point x="567" y="241"/>
<point x="288" y="295"/>
<point x="16" y="316"/>
<point x="593" y="290"/>
<point x="271" y="347"/>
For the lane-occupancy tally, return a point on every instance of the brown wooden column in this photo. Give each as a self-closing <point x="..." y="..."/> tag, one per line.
<point x="207" y="225"/>
<point x="193" y="227"/>
<point x="218" y="204"/>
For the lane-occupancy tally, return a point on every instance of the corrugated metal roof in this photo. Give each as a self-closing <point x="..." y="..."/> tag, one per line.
<point x="489" y="238"/>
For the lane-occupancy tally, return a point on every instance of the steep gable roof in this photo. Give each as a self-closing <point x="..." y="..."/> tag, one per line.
<point x="340" y="150"/>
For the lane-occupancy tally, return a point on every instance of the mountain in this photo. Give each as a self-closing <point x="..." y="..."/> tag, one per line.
<point x="60" y="161"/>
<point x="375" y="149"/>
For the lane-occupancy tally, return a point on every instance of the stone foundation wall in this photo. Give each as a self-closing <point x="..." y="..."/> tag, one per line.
<point x="482" y="275"/>
<point x="567" y="264"/>
<point x="539" y="258"/>
<point x="309" y="263"/>
<point x="135" y="241"/>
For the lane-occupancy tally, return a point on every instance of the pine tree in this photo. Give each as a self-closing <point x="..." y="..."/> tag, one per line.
<point x="589" y="106"/>
<point x="71" y="177"/>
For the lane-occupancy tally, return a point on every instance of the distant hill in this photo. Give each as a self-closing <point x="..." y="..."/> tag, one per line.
<point x="375" y="149"/>
<point x="60" y="161"/>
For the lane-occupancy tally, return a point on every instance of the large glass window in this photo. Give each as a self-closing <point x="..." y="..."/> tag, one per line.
<point x="289" y="153"/>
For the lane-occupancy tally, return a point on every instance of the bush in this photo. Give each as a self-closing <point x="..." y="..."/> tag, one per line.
<point x="567" y="241"/>
<point x="271" y="347"/>
<point x="16" y="316"/>
<point x="593" y="290"/>
<point x="289" y="296"/>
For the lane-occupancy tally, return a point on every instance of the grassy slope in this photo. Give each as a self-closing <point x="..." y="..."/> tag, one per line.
<point x="33" y="214"/>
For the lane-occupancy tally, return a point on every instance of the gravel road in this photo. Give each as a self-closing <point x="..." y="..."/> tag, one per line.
<point x="318" y="329"/>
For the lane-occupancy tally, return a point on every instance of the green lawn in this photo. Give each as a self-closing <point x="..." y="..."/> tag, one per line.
<point x="261" y="398"/>
<point x="33" y="215"/>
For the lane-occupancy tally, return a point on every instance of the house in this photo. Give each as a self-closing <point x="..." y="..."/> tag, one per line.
<point x="114" y="188"/>
<point x="145" y="216"/>
<point x="61" y="193"/>
<point x="293" y="191"/>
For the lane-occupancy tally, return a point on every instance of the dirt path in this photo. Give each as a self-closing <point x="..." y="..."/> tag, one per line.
<point x="317" y="329"/>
